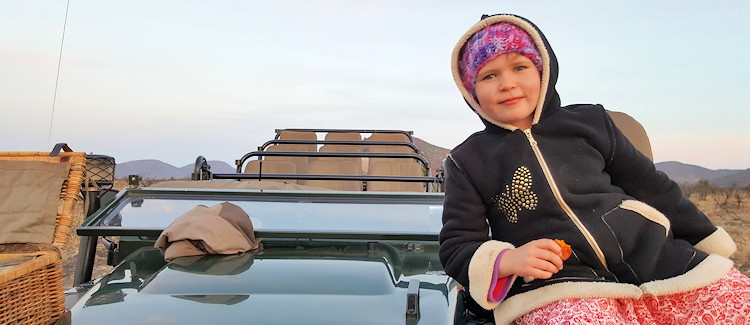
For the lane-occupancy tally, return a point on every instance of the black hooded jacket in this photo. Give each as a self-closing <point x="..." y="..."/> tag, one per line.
<point x="573" y="176"/>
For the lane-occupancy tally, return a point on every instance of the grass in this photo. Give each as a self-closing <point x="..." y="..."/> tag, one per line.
<point x="735" y="220"/>
<point x="70" y="254"/>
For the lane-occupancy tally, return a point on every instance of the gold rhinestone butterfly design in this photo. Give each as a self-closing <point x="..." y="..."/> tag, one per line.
<point x="517" y="195"/>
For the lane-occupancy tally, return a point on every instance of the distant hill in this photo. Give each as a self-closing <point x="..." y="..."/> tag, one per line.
<point x="433" y="153"/>
<point x="679" y="172"/>
<point x="156" y="169"/>
<point x="741" y="179"/>
<point x="689" y="174"/>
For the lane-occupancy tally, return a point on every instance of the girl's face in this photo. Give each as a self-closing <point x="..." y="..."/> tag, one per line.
<point x="508" y="88"/>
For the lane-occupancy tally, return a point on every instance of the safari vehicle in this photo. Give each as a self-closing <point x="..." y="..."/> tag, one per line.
<point x="349" y="231"/>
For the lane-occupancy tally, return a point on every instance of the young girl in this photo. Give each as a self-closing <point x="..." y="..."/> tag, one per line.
<point x="641" y="252"/>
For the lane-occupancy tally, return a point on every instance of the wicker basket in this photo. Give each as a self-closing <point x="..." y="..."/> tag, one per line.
<point x="31" y="290"/>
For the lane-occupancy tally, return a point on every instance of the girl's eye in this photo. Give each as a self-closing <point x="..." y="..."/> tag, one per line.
<point x="520" y="68"/>
<point x="489" y="76"/>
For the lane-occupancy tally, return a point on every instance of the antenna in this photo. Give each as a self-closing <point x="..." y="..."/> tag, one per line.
<point x="57" y="78"/>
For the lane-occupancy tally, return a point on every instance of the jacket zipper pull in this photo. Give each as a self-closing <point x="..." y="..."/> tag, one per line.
<point x="531" y="138"/>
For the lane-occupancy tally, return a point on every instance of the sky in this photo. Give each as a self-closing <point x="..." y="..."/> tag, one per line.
<point x="173" y="80"/>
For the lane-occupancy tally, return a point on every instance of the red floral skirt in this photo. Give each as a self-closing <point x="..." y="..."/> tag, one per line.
<point x="724" y="302"/>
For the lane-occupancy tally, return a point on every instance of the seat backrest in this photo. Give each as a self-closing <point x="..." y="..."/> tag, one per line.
<point x="335" y="166"/>
<point x="343" y="136"/>
<point x="40" y="194"/>
<point x="388" y="168"/>
<point x="384" y="148"/>
<point x="300" y="135"/>
<point x="389" y="137"/>
<point x="634" y="131"/>
<point x="300" y="162"/>
<point x="392" y="148"/>
<point x="345" y="148"/>
<point x="342" y="148"/>
<point x="297" y="135"/>
<point x="272" y="167"/>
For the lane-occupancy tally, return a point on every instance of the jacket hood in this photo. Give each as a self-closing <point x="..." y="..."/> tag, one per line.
<point x="549" y="100"/>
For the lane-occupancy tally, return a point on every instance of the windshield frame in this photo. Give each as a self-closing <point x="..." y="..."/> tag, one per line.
<point x="95" y="225"/>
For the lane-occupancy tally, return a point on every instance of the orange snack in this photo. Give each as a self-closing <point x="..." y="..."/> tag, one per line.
<point x="566" y="251"/>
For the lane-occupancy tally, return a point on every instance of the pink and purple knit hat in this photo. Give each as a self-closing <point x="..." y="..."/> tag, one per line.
<point x="491" y="42"/>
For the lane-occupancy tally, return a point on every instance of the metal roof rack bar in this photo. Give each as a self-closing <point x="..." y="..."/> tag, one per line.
<point x="247" y="156"/>
<point x="341" y="142"/>
<point x="407" y="133"/>
<point x="432" y="179"/>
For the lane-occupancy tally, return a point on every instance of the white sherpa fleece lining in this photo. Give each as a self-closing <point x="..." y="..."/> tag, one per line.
<point x="719" y="243"/>
<point x="647" y="212"/>
<point x="481" y="267"/>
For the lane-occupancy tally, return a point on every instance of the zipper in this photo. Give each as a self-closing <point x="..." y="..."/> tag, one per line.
<point x="559" y="198"/>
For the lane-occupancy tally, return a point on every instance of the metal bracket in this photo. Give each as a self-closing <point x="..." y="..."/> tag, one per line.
<point x="201" y="169"/>
<point x="134" y="181"/>
<point x="412" y="300"/>
<point x="413" y="247"/>
<point x="111" y="248"/>
<point x="60" y="146"/>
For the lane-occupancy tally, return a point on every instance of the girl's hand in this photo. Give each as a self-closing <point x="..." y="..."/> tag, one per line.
<point x="538" y="259"/>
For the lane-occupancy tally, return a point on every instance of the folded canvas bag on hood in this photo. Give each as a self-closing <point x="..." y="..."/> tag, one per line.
<point x="220" y="229"/>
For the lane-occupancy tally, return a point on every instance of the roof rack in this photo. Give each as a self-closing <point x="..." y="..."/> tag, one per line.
<point x="399" y="170"/>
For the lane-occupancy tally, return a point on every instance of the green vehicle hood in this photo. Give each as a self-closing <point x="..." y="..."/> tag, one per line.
<point x="333" y="282"/>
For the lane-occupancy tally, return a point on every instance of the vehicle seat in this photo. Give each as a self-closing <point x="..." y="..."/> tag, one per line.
<point x="394" y="168"/>
<point x="336" y="166"/>
<point x="394" y="149"/>
<point x="342" y="148"/>
<point x="300" y="135"/>
<point x="343" y="136"/>
<point x="399" y="137"/>
<point x="271" y="166"/>
<point x="297" y="135"/>
<point x="300" y="162"/>
<point x="634" y="131"/>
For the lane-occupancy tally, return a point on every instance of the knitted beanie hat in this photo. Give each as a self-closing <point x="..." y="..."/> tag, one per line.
<point x="491" y="42"/>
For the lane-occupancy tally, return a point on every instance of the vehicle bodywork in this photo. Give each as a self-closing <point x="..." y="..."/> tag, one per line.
<point x="327" y="257"/>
